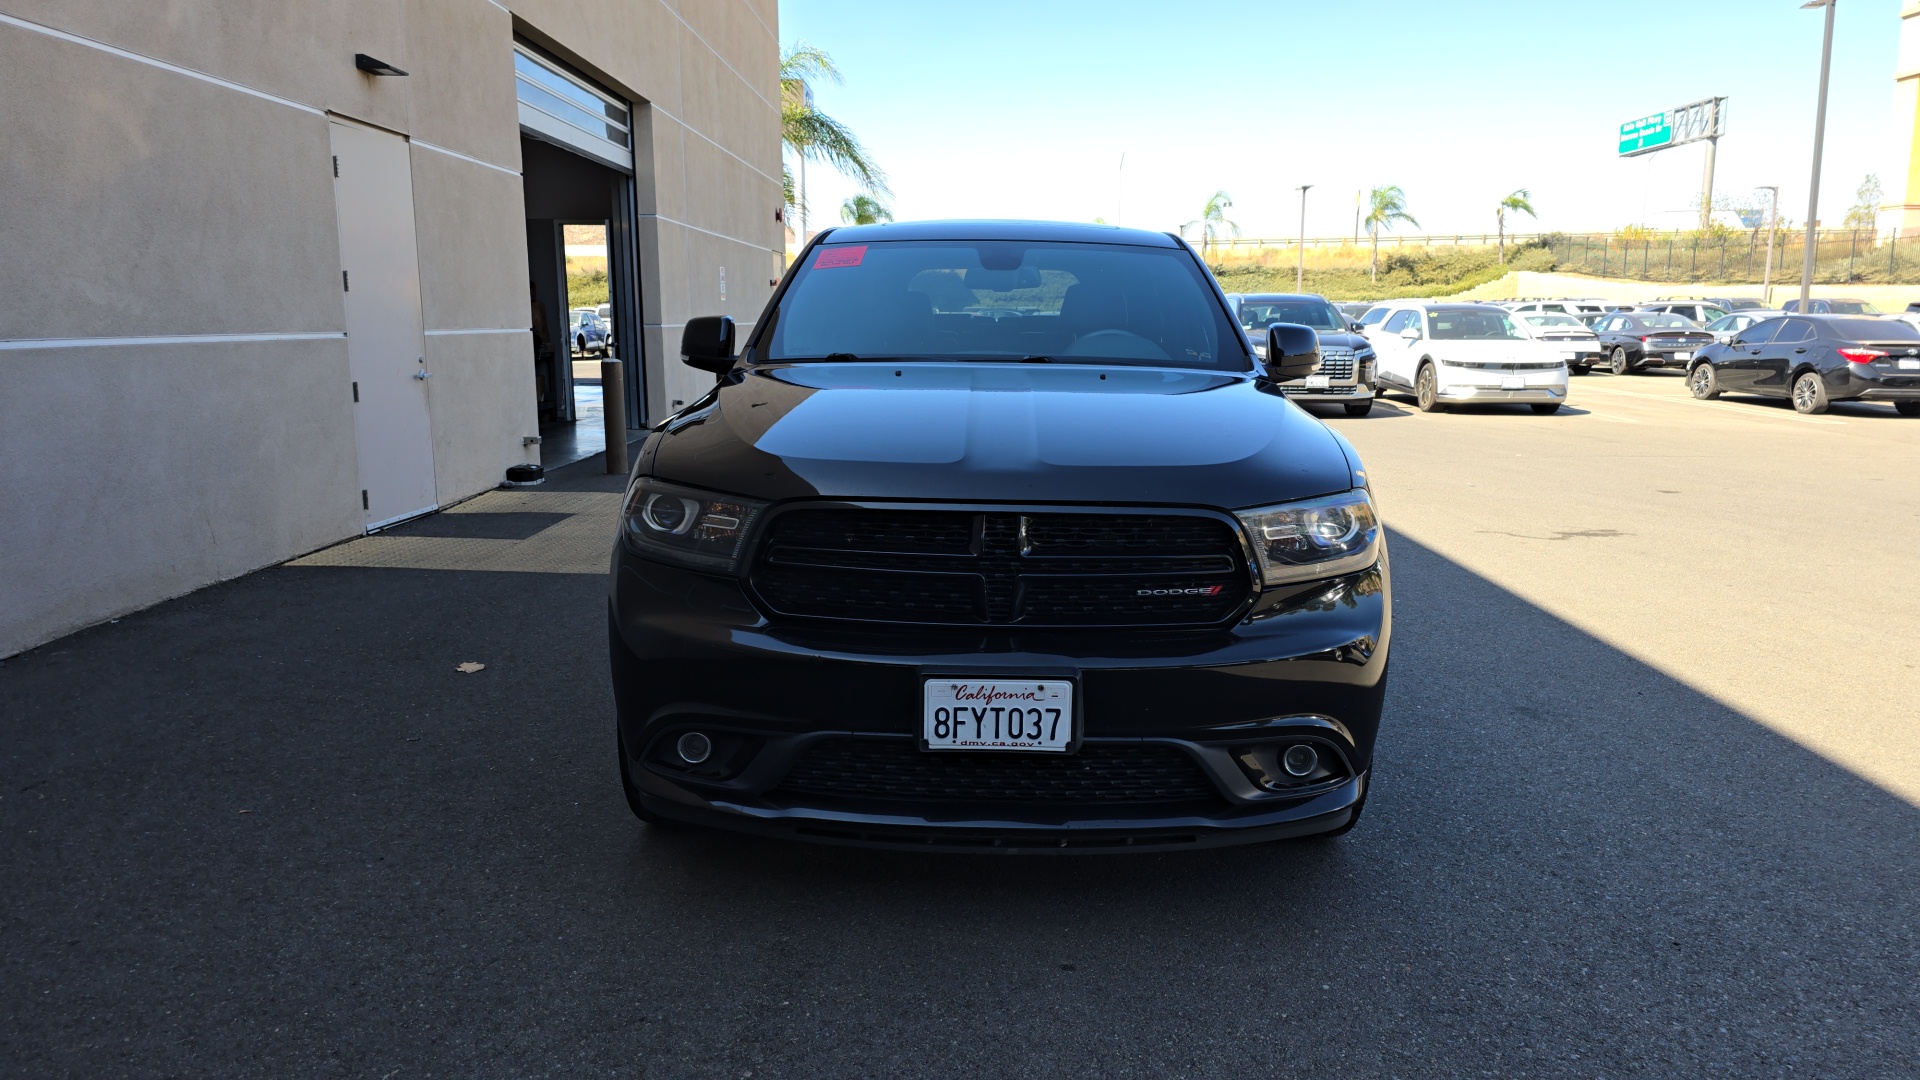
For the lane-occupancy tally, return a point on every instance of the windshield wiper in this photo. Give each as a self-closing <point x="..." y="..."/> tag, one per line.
<point x="1036" y="360"/>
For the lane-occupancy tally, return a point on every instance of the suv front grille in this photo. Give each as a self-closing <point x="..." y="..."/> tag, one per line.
<point x="967" y="568"/>
<point x="871" y="768"/>
<point x="1336" y="362"/>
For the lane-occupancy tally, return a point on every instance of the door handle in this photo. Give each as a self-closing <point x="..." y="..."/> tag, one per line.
<point x="423" y="376"/>
<point x="1801" y="349"/>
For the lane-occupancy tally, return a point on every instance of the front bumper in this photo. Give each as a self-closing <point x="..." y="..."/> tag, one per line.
<point x="691" y="652"/>
<point x="1359" y="392"/>
<point x="1466" y="394"/>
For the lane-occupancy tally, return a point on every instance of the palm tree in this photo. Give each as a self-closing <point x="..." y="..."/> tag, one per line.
<point x="1213" y="221"/>
<point x="1389" y="205"/>
<point x="812" y="134"/>
<point x="864" y="210"/>
<point x="1516" y="202"/>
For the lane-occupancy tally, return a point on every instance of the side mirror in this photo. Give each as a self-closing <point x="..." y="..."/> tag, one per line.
<point x="707" y="343"/>
<point x="1355" y="327"/>
<point x="1411" y="333"/>
<point x="1293" y="351"/>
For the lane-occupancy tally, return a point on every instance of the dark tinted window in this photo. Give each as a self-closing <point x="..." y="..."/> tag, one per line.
<point x="1259" y="314"/>
<point x="1759" y="333"/>
<point x="1003" y="300"/>
<point x="1872" y="330"/>
<point x="1373" y="316"/>
<point x="1848" y="307"/>
<point x="1794" y="330"/>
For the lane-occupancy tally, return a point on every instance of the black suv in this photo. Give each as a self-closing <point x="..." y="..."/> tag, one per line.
<point x="994" y="536"/>
<point x="1345" y="374"/>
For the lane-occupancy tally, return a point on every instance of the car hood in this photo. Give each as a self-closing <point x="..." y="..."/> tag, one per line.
<point x="1000" y="432"/>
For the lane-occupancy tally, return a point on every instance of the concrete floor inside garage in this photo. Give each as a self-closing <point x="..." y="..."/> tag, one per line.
<point x="269" y="829"/>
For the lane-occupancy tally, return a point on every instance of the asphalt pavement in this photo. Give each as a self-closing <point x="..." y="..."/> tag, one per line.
<point x="268" y="829"/>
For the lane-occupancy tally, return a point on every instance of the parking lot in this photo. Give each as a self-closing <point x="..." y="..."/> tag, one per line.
<point x="1645" y="805"/>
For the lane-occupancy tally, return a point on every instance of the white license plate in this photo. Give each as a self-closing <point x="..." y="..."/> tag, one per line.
<point x="1517" y="382"/>
<point x="998" y="714"/>
<point x="1318" y="382"/>
<point x="1910" y="365"/>
<point x="1683" y="356"/>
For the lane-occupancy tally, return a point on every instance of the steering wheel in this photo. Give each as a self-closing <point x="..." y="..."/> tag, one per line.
<point x="1121" y="344"/>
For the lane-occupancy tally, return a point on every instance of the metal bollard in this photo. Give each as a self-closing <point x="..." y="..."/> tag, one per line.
<point x="613" y="403"/>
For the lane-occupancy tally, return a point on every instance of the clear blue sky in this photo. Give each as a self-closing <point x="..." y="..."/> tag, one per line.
<point x="993" y="108"/>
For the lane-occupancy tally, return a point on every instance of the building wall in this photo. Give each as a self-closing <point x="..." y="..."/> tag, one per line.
<point x="174" y="402"/>
<point x="1901" y="211"/>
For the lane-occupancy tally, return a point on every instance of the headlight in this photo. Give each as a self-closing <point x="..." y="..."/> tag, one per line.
<point x="1316" y="538"/>
<point x="687" y="527"/>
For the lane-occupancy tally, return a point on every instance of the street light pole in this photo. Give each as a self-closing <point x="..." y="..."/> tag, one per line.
<point x="1819" y="139"/>
<point x="1300" y="270"/>
<point x="1773" y="219"/>
<point x="1119" y="187"/>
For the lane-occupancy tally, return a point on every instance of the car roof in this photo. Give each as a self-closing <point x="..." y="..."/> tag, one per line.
<point x="997" y="229"/>
<point x="1275" y="297"/>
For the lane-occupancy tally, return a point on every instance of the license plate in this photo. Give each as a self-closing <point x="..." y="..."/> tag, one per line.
<point x="1683" y="356"/>
<point x="998" y="714"/>
<point x="1517" y="382"/>
<point x="1910" y="365"/>
<point x="1318" y="382"/>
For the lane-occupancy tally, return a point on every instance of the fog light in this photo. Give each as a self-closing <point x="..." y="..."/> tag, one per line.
<point x="695" y="748"/>
<point x="1299" y="760"/>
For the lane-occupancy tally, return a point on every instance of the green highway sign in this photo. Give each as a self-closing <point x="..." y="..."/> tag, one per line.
<point x="1647" y="133"/>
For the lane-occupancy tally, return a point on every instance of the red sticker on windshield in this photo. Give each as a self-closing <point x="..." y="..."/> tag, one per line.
<point x="839" y="256"/>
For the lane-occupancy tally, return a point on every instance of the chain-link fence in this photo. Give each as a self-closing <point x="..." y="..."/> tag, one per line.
<point x="1841" y="256"/>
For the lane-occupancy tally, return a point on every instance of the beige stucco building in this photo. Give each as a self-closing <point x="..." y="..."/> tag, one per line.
<point x="1901" y="210"/>
<point x="260" y="292"/>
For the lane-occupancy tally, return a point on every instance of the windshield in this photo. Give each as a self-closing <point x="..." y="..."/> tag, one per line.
<point x="1259" y="314"/>
<point x="1002" y="300"/>
<point x="1554" y="320"/>
<point x="1662" y="321"/>
<point x="1459" y="324"/>
<point x="1874" y="329"/>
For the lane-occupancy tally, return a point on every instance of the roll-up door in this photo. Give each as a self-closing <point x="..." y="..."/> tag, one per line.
<point x="567" y="110"/>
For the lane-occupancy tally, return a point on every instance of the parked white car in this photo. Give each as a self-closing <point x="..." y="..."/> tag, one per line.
<point x="1576" y="346"/>
<point x="1453" y="353"/>
<point x="1724" y="327"/>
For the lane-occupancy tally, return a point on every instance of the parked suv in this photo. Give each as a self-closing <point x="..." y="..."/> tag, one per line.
<point x="1345" y="373"/>
<point x="1454" y="353"/>
<point x="995" y="537"/>
<point x="1831" y="306"/>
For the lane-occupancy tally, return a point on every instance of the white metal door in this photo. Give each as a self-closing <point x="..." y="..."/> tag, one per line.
<point x="386" y="348"/>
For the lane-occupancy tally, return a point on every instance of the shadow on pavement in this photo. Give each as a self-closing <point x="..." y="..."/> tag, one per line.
<point x="268" y="828"/>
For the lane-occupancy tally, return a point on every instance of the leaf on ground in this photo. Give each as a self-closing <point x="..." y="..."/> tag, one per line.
<point x="470" y="667"/>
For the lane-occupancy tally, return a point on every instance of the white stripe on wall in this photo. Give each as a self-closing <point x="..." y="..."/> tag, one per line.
<point x="10" y="20"/>
<point x="709" y="232"/>
<point x="464" y="157"/>
<point x="480" y="330"/>
<point x="167" y="339"/>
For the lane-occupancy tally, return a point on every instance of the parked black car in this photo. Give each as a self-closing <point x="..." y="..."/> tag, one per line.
<point x="995" y="537"/>
<point x="1345" y="374"/>
<point x="1637" y="340"/>
<point x="1815" y="360"/>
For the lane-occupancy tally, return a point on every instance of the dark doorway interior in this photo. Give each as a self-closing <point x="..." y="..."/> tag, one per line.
<point x="563" y="188"/>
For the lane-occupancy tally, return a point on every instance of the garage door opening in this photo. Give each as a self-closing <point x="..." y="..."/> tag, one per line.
<point x="577" y="159"/>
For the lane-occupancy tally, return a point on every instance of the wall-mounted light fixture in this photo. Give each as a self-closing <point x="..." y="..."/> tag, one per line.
<point x="374" y="67"/>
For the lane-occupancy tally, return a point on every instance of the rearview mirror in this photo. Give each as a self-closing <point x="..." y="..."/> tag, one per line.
<point x="707" y="343"/>
<point x="1293" y="351"/>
